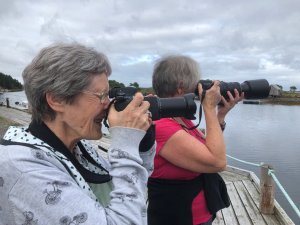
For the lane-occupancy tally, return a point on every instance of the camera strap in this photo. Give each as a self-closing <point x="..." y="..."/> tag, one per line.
<point x="200" y="114"/>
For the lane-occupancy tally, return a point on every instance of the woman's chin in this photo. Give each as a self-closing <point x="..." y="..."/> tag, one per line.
<point x="95" y="136"/>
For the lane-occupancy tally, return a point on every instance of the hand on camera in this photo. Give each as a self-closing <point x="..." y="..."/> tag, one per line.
<point x="212" y="96"/>
<point x="227" y="105"/>
<point x="135" y="115"/>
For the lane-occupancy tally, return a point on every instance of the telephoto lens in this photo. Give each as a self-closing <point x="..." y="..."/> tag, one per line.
<point x="253" y="89"/>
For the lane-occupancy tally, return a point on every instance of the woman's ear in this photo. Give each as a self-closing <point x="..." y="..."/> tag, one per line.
<point x="180" y="90"/>
<point x="54" y="103"/>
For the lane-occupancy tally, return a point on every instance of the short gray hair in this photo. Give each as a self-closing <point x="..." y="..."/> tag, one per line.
<point x="173" y="72"/>
<point x="63" y="70"/>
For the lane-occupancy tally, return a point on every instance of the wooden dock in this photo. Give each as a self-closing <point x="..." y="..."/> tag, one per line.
<point x="243" y="189"/>
<point x="256" y="102"/>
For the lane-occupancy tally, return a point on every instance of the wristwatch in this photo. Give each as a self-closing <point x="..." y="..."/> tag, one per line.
<point x="223" y="125"/>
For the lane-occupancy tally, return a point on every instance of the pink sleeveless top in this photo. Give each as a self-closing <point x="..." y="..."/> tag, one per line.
<point x="163" y="169"/>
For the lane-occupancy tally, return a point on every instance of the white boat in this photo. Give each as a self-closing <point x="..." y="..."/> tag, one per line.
<point x="24" y="104"/>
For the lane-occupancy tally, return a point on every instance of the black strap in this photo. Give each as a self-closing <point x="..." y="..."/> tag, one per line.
<point x="42" y="132"/>
<point x="90" y="158"/>
<point x="7" y="142"/>
<point x="102" y="148"/>
<point x="200" y="114"/>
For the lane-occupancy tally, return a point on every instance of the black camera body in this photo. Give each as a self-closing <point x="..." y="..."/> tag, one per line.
<point x="185" y="105"/>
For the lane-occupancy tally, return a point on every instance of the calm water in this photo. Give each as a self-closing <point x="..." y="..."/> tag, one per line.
<point x="259" y="133"/>
<point x="13" y="97"/>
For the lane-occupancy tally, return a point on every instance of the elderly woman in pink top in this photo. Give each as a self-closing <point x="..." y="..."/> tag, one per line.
<point x="176" y="188"/>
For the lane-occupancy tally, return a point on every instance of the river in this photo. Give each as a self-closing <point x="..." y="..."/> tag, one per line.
<point x="15" y="99"/>
<point x="258" y="133"/>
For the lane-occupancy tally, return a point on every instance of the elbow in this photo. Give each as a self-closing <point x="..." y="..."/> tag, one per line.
<point x="220" y="165"/>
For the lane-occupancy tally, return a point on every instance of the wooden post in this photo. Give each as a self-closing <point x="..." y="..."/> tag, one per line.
<point x="7" y="103"/>
<point x="267" y="190"/>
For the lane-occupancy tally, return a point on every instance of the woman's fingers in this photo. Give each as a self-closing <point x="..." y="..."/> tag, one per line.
<point x="135" y="114"/>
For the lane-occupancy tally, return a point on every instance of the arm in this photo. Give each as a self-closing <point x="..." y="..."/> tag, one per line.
<point x="187" y="152"/>
<point x="127" y="168"/>
<point x="129" y="177"/>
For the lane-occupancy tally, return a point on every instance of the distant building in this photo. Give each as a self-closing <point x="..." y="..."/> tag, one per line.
<point x="275" y="90"/>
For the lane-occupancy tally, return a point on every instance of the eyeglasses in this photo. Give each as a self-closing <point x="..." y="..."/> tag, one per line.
<point x="103" y="96"/>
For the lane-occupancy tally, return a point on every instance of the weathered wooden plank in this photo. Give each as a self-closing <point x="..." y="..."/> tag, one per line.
<point x="237" y="170"/>
<point x="231" y="177"/>
<point x="219" y="220"/>
<point x="229" y="216"/>
<point x="237" y="206"/>
<point x="249" y="204"/>
<point x="281" y="215"/>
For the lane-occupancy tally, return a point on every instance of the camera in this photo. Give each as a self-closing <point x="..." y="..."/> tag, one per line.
<point x="183" y="106"/>
<point x="253" y="89"/>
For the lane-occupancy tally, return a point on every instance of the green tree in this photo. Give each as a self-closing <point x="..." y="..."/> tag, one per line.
<point x="134" y="84"/>
<point x="293" y="88"/>
<point x="279" y="86"/>
<point x="7" y="82"/>
<point x="113" y="84"/>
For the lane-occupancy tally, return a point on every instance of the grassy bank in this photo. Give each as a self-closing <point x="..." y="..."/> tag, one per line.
<point x="282" y="101"/>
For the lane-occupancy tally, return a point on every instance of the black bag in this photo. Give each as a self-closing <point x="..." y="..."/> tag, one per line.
<point x="170" y="200"/>
<point x="215" y="192"/>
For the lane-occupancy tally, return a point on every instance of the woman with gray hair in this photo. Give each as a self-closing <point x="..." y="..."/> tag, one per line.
<point x="183" y="155"/>
<point x="50" y="173"/>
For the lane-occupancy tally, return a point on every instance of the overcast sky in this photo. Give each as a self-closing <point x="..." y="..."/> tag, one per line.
<point x="233" y="40"/>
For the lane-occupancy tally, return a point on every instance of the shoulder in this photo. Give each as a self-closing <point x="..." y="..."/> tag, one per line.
<point x="166" y="123"/>
<point x="165" y="128"/>
<point x="26" y="159"/>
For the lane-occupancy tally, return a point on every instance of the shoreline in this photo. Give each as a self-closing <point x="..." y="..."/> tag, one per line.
<point x="274" y="101"/>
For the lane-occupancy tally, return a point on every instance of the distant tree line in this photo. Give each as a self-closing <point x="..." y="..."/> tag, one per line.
<point x="7" y="82"/>
<point x="145" y="91"/>
<point x="292" y="88"/>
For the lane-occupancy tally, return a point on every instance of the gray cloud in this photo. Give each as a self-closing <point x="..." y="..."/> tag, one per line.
<point x="232" y="40"/>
